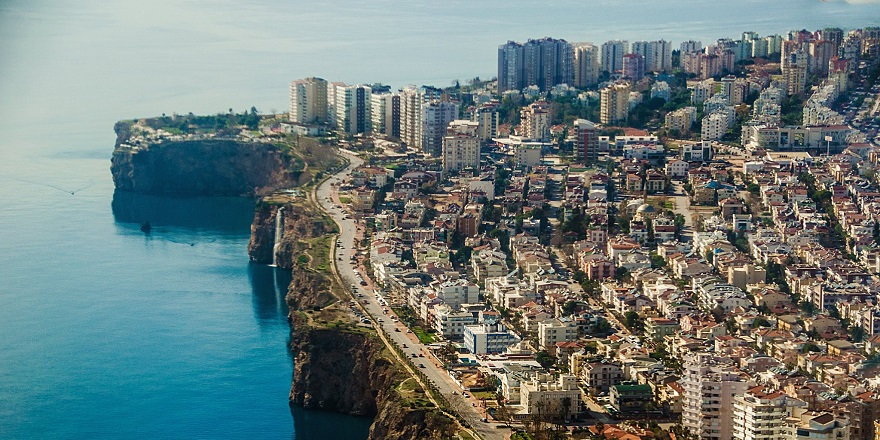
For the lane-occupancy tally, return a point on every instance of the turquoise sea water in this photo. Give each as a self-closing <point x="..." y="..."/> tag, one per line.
<point x="108" y="333"/>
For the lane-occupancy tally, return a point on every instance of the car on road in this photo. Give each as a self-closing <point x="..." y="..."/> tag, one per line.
<point x="421" y="365"/>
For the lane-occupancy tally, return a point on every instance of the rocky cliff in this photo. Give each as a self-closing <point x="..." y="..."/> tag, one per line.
<point x="339" y="364"/>
<point x="347" y="369"/>
<point x="211" y="167"/>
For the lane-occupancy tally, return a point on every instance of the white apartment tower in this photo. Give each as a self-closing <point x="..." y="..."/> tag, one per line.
<point x="614" y="103"/>
<point x="586" y="64"/>
<point x="385" y="110"/>
<point x="350" y="107"/>
<point x="709" y="390"/>
<point x="435" y="117"/>
<point x="760" y="413"/>
<point x="658" y="54"/>
<point x="308" y="101"/>
<point x="461" y="146"/>
<point x="612" y="55"/>
<point x="690" y="46"/>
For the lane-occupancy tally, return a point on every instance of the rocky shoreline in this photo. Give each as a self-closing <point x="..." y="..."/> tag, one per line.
<point x="206" y="167"/>
<point x="338" y="365"/>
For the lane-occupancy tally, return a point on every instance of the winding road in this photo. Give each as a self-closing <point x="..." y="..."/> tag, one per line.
<point x="351" y="274"/>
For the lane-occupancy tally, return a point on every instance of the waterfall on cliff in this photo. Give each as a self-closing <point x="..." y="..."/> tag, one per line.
<point x="279" y="232"/>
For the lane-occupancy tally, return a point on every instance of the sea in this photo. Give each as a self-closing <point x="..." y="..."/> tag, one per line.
<point x="107" y="332"/>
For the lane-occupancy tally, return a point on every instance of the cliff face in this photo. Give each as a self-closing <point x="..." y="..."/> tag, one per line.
<point x="338" y="365"/>
<point x="346" y="372"/>
<point x="201" y="167"/>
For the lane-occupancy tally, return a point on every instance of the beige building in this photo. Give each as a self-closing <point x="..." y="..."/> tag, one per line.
<point x="541" y="396"/>
<point x="681" y="119"/>
<point x="535" y="120"/>
<point x="308" y="101"/>
<point x="586" y="64"/>
<point x="461" y="146"/>
<point x="614" y="104"/>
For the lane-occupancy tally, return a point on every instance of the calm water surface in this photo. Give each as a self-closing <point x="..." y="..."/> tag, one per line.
<point x="108" y="333"/>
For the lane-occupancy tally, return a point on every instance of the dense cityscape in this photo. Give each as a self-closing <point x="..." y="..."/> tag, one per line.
<point x="625" y="240"/>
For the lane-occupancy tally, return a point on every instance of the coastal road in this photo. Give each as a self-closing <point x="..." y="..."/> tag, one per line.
<point x="372" y="301"/>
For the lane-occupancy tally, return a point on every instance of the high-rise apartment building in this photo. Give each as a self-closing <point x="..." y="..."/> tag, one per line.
<point x="586" y="140"/>
<point x="436" y="115"/>
<point x="795" y="67"/>
<point x="349" y="107"/>
<point x="543" y="63"/>
<point x="535" y="120"/>
<point x="736" y="89"/>
<point x="760" y="413"/>
<point x="834" y="35"/>
<point x="633" y="67"/>
<point x="657" y="54"/>
<point x="385" y="112"/>
<point x="690" y="46"/>
<point x="411" y="101"/>
<point x="510" y="66"/>
<point x="612" y="55"/>
<point x="461" y="146"/>
<point x="710" y="386"/>
<point x="308" y="101"/>
<point x="487" y="116"/>
<point x="586" y="64"/>
<point x="614" y="103"/>
<point x="820" y="52"/>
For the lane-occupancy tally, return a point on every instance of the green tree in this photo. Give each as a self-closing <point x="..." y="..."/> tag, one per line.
<point x="544" y="358"/>
<point x="633" y="321"/>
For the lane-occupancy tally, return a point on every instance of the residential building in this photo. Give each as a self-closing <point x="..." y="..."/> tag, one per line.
<point x="542" y="63"/>
<point x="385" y="114"/>
<point x="795" y="67"/>
<point x="681" y="119"/>
<point x="350" y="107"/>
<point x="488" y="338"/>
<point x="612" y="55"/>
<point x="633" y="67"/>
<point x="308" y="101"/>
<point x="614" y="103"/>
<point x="451" y="323"/>
<point x="586" y="140"/>
<point x="760" y="413"/>
<point x="598" y="376"/>
<point x="461" y="146"/>
<point x="660" y="89"/>
<point x="487" y="116"/>
<point x="690" y="46"/>
<point x="710" y="386"/>
<point x="657" y="54"/>
<point x="436" y="116"/>
<point x="631" y="398"/>
<point x="715" y="126"/>
<point x="542" y="395"/>
<point x="811" y="425"/>
<point x="556" y="330"/>
<point x="510" y="66"/>
<point x="535" y="120"/>
<point x="586" y="64"/>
